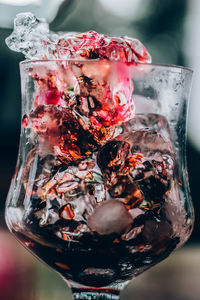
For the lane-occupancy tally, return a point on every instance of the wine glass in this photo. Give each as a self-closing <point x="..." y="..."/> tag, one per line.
<point x="101" y="192"/>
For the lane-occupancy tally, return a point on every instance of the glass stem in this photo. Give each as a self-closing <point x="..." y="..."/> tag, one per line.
<point x="95" y="294"/>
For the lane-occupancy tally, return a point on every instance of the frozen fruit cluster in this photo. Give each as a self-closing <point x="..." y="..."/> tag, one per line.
<point x="100" y="167"/>
<point x="32" y="37"/>
<point x="97" y="170"/>
<point x="138" y="168"/>
<point x="60" y="133"/>
<point x="79" y="106"/>
<point x="83" y="187"/>
<point x="92" y="45"/>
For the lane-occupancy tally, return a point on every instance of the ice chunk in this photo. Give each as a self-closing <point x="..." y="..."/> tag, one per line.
<point x="138" y="168"/>
<point x="161" y="232"/>
<point x="149" y="121"/>
<point x="32" y="37"/>
<point x="61" y="132"/>
<point x="101" y="99"/>
<point x="93" y="45"/>
<point x="150" y="143"/>
<point x="110" y="217"/>
<point x="112" y="156"/>
<point x="72" y="191"/>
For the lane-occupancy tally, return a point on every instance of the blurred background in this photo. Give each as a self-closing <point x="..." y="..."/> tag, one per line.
<point x="170" y="30"/>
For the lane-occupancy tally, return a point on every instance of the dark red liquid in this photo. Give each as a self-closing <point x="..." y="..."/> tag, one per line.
<point x="98" y="261"/>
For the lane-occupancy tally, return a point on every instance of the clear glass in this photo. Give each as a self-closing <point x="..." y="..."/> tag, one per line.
<point x="101" y="191"/>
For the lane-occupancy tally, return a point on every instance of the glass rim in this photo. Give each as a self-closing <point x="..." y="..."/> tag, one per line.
<point x="168" y="66"/>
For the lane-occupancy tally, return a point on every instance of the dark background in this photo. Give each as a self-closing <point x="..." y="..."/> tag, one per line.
<point x="160" y="28"/>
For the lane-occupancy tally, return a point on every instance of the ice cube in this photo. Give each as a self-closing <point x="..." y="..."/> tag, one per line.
<point x="110" y="217"/>
<point x="162" y="232"/>
<point x="149" y="121"/>
<point x="71" y="233"/>
<point x="30" y="35"/>
<point x="150" y="143"/>
<point x="74" y="191"/>
<point x="61" y="130"/>
<point x="138" y="168"/>
<point x="112" y="155"/>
